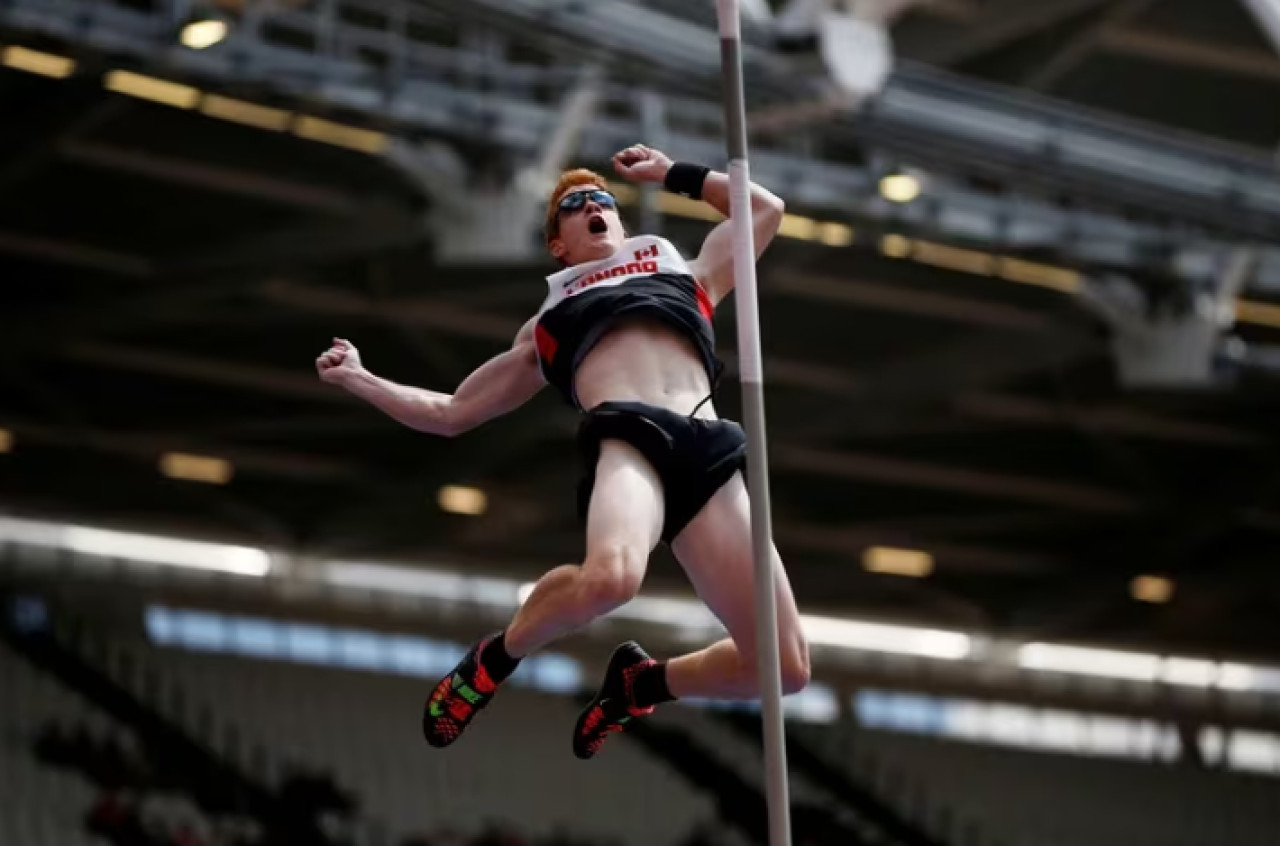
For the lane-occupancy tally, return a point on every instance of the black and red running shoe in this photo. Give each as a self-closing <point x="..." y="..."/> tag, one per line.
<point x="457" y="698"/>
<point x="614" y="704"/>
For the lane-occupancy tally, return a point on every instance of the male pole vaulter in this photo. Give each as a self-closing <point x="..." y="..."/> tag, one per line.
<point x="625" y="335"/>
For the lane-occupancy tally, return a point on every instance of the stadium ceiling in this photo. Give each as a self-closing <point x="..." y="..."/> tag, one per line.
<point x="171" y="269"/>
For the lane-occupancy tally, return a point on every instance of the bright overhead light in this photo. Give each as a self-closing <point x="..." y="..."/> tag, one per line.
<point x="1153" y="589"/>
<point x="1258" y="313"/>
<point x="199" y="35"/>
<point x="248" y="114"/>
<point x="897" y="562"/>
<point x="900" y="187"/>
<point x="954" y="258"/>
<point x="798" y="226"/>
<point x="1189" y="672"/>
<point x="151" y="549"/>
<point x="196" y="468"/>
<point x="422" y="582"/>
<point x="457" y="499"/>
<point x="880" y="637"/>
<point x="340" y="135"/>
<point x="33" y="61"/>
<point x="1237" y="677"/>
<point x="6" y="441"/>
<point x="156" y="90"/>
<point x="896" y="246"/>
<point x="1107" y="663"/>
<point x="1043" y="275"/>
<point x="835" y="234"/>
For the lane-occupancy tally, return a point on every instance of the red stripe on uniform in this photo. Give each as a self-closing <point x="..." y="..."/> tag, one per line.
<point x="704" y="302"/>
<point x="546" y="344"/>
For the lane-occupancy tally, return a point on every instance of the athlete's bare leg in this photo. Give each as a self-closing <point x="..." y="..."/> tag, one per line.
<point x="624" y="524"/>
<point x="715" y="551"/>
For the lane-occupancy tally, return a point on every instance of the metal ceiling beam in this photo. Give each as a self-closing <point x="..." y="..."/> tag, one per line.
<point x="300" y="384"/>
<point x="426" y="313"/>
<point x="1002" y="23"/>
<point x="920" y="115"/>
<point x="869" y="468"/>
<point x="149" y="446"/>
<point x="317" y="243"/>
<point x="1015" y="410"/>
<point x="468" y="321"/>
<point x="962" y="11"/>
<point x="822" y="289"/>
<point x="71" y="254"/>
<point x="977" y="361"/>
<point x="970" y="558"/>
<point x="1079" y="47"/>
<point x="898" y="299"/>
<point x="884" y="470"/>
<point x="443" y="316"/>
<point x="73" y="111"/>
<point x="215" y="178"/>
<point x="1191" y="53"/>
<point x="947" y="526"/>
<point x="932" y="378"/>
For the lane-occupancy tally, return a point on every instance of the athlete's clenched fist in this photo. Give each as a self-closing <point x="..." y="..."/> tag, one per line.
<point x="339" y="362"/>
<point x="639" y="163"/>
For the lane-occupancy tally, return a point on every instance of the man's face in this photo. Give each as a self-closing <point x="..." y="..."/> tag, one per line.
<point x="590" y="228"/>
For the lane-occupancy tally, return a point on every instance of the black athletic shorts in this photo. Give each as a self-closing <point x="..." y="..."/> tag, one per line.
<point x="693" y="457"/>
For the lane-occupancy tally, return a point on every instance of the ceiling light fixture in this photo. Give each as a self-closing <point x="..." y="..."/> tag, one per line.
<point x="900" y="187"/>
<point x="1156" y="590"/>
<point x="203" y="33"/>
<point x="457" y="499"/>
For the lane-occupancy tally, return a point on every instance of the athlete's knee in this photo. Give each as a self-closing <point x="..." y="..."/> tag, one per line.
<point x="611" y="576"/>
<point x="794" y="660"/>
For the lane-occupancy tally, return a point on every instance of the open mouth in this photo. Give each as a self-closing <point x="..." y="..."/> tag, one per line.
<point x="597" y="225"/>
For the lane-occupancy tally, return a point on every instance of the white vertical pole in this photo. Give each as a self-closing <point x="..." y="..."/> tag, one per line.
<point x="751" y="370"/>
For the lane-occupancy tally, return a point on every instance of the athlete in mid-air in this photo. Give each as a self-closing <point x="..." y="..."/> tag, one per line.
<point x="625" y="335"/>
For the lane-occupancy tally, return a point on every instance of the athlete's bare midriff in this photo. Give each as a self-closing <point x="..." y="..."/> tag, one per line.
<point x="644" y="361"/>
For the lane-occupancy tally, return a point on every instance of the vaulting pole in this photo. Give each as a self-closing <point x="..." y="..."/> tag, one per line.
<point x="752" y="376"/>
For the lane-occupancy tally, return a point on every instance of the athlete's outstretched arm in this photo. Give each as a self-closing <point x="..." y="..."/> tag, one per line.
<point x="499" y="386"/>
<point x="714" y="265"/>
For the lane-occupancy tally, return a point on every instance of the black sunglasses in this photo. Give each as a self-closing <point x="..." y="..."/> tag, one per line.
<point x="578" y="200"/>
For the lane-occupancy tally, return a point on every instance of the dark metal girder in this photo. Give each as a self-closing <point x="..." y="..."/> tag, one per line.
<point x="209" y="177"/>
<point x="1000" y="23"/>
<point x="886" y="470"/>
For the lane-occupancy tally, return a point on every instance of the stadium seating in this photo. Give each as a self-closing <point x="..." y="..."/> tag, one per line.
<point x="515" y="768"/>
<point x="515" y="772"/>
<point x="1029" y="798"/>
<point x="42" y="806"/>
<point x="732" y="749"/>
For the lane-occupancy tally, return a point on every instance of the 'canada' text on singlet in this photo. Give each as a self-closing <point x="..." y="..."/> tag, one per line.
<point x="646" y="278"/>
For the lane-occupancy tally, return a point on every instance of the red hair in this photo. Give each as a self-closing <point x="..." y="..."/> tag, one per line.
<point x="569" y="180"/>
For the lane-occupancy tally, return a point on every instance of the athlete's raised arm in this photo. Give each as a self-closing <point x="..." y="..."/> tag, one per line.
<point x="714" y="265"/>
<point x="499" y="386"/>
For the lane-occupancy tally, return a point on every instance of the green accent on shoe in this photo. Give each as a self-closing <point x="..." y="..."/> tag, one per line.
<point x="468" y="694"/>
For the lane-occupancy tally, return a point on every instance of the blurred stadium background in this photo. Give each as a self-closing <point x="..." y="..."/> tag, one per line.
<point x="1021" y="338"/>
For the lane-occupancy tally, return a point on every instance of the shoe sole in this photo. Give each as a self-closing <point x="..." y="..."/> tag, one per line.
<point x="599" y="698"/>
